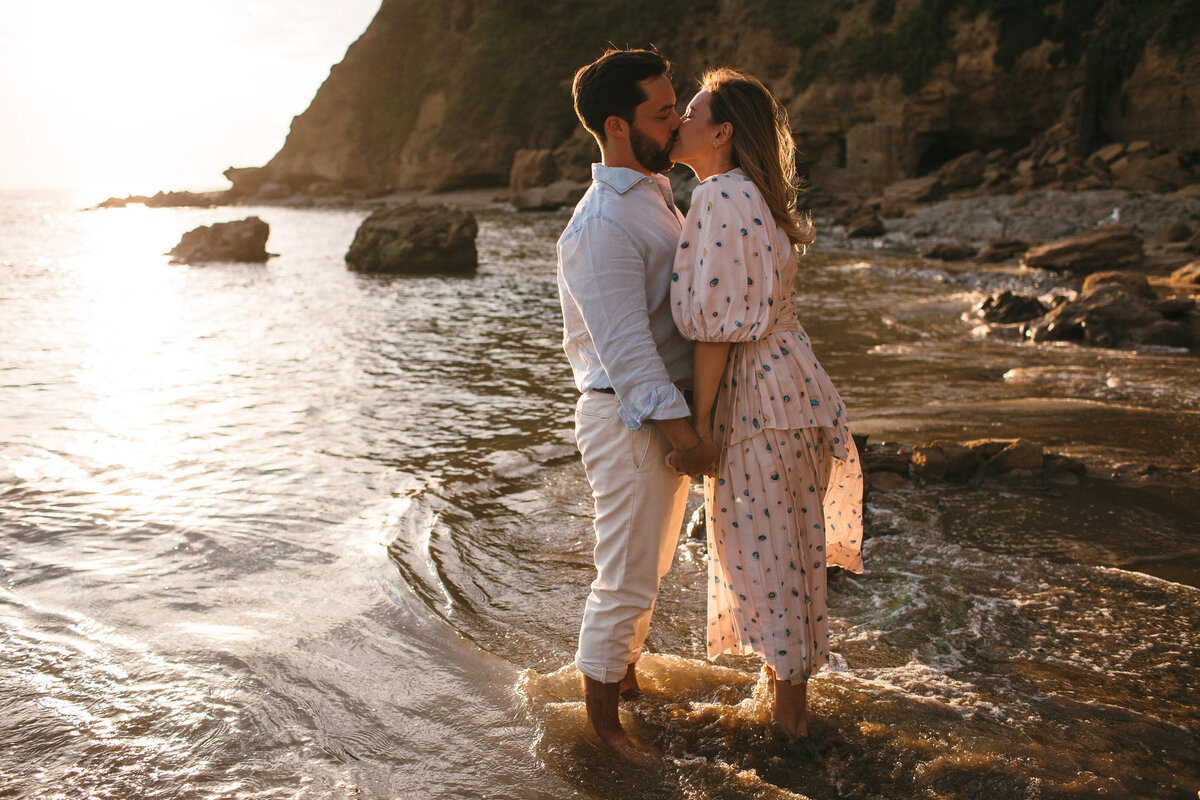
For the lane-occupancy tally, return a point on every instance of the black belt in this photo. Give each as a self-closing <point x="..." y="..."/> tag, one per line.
<point x="687" y="393"/>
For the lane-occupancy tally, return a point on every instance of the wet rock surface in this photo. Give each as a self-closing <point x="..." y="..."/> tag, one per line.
<point x="889" y="466"/>
<point x="1105" y="248"/>
<point x="1109" y="316"/>
<point x="1008" y="307"/>
<point x="416" y="238"/>
<point x="240" y="240"/>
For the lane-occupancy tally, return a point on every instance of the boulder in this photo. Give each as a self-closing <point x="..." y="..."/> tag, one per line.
<point x="1055" y="462"/>
<point x="1110" y="152"/>
<point x="886" y="482"/>
<point x="950" y="251"/>
<point x="940" y="458"/>
<point x="929" y="462"/>
<point x="963" y="171"/>
<point x="1187" y="275"/>
<point x="1110" y="247"/>
<point x="1175" y="232"/>
<point x="241" y="240"/>
<point x="415" y="238"/>
<point x="1108" y="316"/>
<point x="865" y="225"/>
<point x="574" y="157"/>
<point x="532" y="168"/>
<point x="901" y="196"/>
<point x="1175" y="307"/>
<point x="1017" y="455"/>
<point x="987" y="448"/>
<point x="1006" y="308"/>
<point x="548" y="198"/>
<point x="1134" y="283"/>
<point x="1146" y="172"/>
<point x="998" y="250"/>
<point x="884" y="461"/>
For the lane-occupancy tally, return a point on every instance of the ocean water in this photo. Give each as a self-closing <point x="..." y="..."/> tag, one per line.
<point x="287" y="531"/>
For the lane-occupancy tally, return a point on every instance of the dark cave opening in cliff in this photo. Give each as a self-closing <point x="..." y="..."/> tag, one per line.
<point x="936" y="149"/>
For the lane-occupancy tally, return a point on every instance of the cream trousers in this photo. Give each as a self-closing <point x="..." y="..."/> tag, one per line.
<point x="639" y="512"/>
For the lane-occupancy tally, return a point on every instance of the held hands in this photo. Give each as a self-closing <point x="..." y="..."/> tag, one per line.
<point x="695" y="461"/>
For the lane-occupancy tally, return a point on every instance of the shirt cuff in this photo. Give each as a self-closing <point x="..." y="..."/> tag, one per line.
<point x="665" y="401"/>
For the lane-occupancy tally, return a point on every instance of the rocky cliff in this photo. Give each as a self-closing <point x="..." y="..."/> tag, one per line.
<point x="443" y="94"/>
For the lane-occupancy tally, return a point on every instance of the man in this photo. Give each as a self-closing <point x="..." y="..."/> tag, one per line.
<point x="615" y="261"/>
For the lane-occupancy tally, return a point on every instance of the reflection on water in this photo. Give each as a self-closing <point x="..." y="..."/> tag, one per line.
<point x="290" y="531"/>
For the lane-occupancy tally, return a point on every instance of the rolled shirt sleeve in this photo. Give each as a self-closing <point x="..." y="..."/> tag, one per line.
<point x="604" y="275"/>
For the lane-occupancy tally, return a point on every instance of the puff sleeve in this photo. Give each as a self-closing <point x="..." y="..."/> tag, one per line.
<point x="726" y="265"/>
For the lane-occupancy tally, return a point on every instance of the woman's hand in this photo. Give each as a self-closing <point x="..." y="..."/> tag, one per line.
<point x="696" y="461"/>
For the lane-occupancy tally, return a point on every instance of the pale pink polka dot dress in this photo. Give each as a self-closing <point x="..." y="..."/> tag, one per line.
<point x="787" y="501"/>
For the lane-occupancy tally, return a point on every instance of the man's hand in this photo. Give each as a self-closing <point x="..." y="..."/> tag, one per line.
<point x="697" y="461"/>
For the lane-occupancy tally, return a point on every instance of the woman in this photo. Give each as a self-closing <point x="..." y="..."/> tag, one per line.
<point x="785" y="499"/>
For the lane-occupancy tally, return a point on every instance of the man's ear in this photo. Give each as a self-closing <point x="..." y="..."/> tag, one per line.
<point x="616" y="128"/>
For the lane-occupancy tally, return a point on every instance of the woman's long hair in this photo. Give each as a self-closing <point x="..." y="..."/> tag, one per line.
<point x="762" y="145"/>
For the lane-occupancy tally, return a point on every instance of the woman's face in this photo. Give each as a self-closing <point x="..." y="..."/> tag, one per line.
<point x="696" y="132"/>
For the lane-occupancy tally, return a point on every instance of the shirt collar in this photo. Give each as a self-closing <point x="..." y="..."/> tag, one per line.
<point x="621" y="179"/>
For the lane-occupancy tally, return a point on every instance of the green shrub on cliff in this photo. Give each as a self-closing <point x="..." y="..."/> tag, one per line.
<point x="1112" y="34"/>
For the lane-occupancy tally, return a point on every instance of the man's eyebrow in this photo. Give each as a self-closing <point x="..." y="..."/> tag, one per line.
<point x="667" y="107"/>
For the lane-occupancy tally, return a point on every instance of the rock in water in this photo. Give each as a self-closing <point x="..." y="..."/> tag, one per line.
<point x="241" y="240"/>
<point x="865" y="224"/>
<point x="1134" y="283"/>
<point x="899" y="197"/>
<point x="416" y="238"/>
<point x="1108" y="316"/>
<point x="1108" y="248"/>
<point x="1006" y="308"/>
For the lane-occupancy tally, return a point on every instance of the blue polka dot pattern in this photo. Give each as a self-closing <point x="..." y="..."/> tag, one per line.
<point x="787" y="500"/>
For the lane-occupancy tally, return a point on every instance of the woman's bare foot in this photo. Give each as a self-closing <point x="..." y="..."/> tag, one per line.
<point x="601" y="701"/>
<point x="790" y="708"/>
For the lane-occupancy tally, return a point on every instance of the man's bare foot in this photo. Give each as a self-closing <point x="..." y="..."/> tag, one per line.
<point x="790" y="708"/>
<point x="601" y="701"/>
<point x="629" y="684"/>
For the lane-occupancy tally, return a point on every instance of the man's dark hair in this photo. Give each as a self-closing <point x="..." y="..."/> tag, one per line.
<point x="610" y="86"/>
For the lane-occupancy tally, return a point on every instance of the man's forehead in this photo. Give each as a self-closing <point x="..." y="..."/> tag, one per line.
<point x="659" y="92"/>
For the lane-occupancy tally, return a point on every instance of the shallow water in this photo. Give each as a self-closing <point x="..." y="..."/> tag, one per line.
<point x="290" y="531"/>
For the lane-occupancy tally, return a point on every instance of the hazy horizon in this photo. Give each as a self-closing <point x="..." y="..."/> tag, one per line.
<point x="134" y="96"/>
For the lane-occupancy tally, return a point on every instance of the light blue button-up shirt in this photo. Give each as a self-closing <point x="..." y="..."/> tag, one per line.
<point x="615" y="261"/>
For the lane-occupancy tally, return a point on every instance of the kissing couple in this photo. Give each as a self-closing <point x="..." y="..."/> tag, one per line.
<point x="690" y="362"/>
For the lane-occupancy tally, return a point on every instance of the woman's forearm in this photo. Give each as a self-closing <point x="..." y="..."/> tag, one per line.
<point x="709" y="361"/>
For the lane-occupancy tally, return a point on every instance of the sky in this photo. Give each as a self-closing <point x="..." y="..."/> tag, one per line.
<point x="136" y="96"/>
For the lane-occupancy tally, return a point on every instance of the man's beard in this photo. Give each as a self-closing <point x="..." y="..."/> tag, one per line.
<point x="648" y="153"/>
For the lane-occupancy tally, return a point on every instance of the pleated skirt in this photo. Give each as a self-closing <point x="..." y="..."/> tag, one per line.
<point x="785" y="504"/>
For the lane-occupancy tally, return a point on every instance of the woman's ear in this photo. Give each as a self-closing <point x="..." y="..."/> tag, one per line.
<point x="724" y="133"/>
